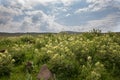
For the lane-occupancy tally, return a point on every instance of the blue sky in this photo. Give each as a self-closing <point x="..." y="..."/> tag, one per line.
<point x="59" y="15"/>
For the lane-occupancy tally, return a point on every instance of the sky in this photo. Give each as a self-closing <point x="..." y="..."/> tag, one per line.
<point x="59" y="15"/>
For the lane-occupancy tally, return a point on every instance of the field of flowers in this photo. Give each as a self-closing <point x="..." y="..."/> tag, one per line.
<point x="86" y="56"/>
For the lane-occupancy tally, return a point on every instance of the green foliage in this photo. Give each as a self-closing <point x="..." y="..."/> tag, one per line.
<point x="19" y="57"/>
<point x="27" y="39"/>
<point x="5" y="64"/>
<point x="88" y="56"/>
<point x="92" y="71"/>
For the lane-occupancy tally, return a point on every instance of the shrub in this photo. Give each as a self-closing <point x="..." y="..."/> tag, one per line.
<point x="19" y="57"/>
<point x="6" y="63"/>
<point x="27" y="39"/>
<point x="92" y="71"/>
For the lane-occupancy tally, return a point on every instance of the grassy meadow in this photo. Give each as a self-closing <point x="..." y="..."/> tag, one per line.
<point x="85" y="56"/>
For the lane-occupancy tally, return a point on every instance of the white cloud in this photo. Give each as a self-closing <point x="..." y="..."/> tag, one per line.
<point x="68" y="14"/>
<point x="9" y="11"/>
<point x="95" y="5"/>
<point x="68" y="2"/>
<point x="35" y="21"/>
<point x="26" y="25"/>
<point x="44" y="2"/>
<point x="44" y="22"/>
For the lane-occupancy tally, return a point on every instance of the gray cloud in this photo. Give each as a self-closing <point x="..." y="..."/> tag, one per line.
<point x="33" y="20"/>
<point x="39" y="21"/>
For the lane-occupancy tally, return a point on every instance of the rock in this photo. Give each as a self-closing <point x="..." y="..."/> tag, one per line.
<point x="45" y="73"/>
<point x="2" y="51"/>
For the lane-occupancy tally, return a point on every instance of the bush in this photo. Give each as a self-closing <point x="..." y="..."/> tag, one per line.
<point x="6" y="63"/>
<point x="93" y="71"/>
<point x="19" y="57"/>
<point x="27" y="39"/>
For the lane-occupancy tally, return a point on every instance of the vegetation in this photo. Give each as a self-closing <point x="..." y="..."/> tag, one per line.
<point x="87" y="56"/>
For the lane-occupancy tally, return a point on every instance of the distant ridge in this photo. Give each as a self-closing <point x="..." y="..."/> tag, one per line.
<point x="20" y="34"/>
<point x="35" y="33"/>
<point x="70" y="32"/>
<point x="38" y="33"/>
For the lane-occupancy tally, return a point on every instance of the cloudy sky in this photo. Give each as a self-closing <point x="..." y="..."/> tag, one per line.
<point x="59" y="15"/>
